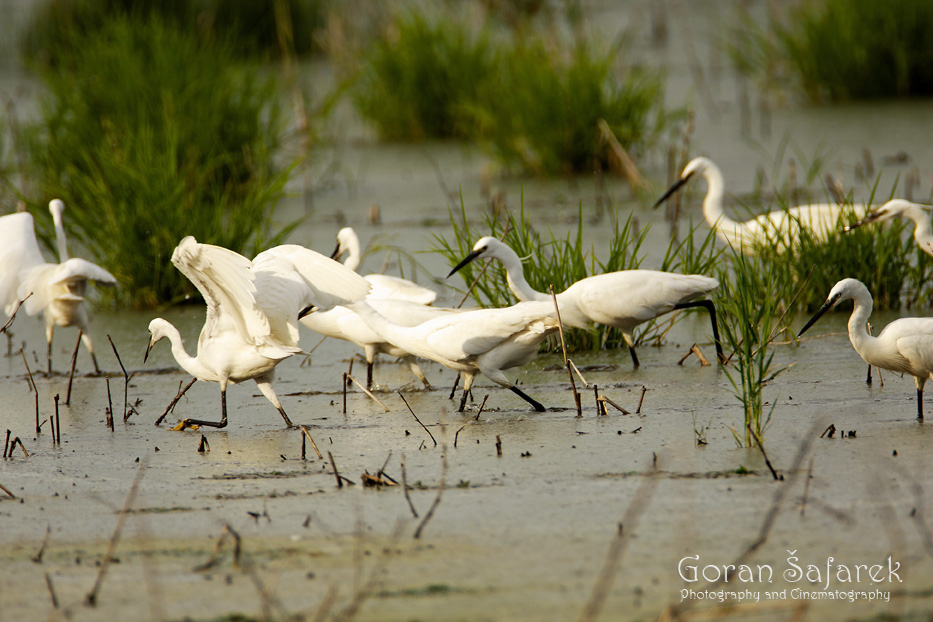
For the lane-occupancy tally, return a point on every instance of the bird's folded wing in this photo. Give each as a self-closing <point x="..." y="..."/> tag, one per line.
<point x="225" y="280"/>
<point x="330" y="283"/>
<point x="74" y="269"/>
<point x="19" y="252"/>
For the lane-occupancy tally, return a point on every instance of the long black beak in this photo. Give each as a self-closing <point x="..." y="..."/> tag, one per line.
<point x="465" y="261"/>
<point x="677" y="186"/>
<point x="336" y="254"/>
<point x="872" y="217"/>
<point x="826" y="307"/>
<point x="148" y="347"/>
<point x="306" y="311"/>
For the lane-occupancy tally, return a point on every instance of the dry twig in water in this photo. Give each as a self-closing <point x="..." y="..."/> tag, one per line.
<point x="174" y="401"/>
<point x="411" y="506"/>
<point x="215" y="556"/>
<point x="305" y="434"/>
<point x="126" y="379"/>
<point x="563" y="349"/>
<point x="416" y="417"/>
<point x="71" y="374"/>
<point x="367" y="392"/>
<point x="440" y="491"/>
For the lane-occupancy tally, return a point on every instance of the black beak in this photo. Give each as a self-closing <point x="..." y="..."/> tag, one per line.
<point x="306" y="311"/>
<point x="336" y="252"/>
<point x="826" y="307"/>
<point x="872" y="217"/>
<point x="677" y="186"/>
<point x="466" y="260"/>
<point x="148" y="347"/>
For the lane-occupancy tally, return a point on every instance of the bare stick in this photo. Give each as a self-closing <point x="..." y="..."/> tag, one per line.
<point x="174" y="401"/>
<point x="454" y="389"/>
<point x="563" y="348"/>
<point x="91" y="598"/>
<point x="577" y="371"/>
<point x="605" y="400"/>
<point x="440" y="491"/>
<point x="498" y="445"/>
<point x="57" y="428"/>
<point x="37" y="558"/>
<point x="641" y="399"/>
<point x="694" y="349"/>
<point x="6" y="443"/>
<point x="481" y="406"/>
<point x="416" y="417"/>
<point x="215" y="556"/>
<point x="109" y="404"/>
<point x="13" y="315"/>
<point x="458" y="434"/>
<point x="35" y="390"/>
<point x="343" y="383"/>
<point x="21" y="446"/>
<point x="600" y="407"/>
<point x="126" y="379"/>
<point x="203" y="446"/>
<point x="367" y="392"/>
<point x="48" y="583"/>
<point x="340" y="478"/>
<point x="7" y="490"/>
<point x="411" y="506"/>
<point x="306" y="434"/>
<point x="627" y="166"/>
<point x="71" y="375"/>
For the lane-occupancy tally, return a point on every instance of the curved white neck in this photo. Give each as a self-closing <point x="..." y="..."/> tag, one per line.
<point x="353" y="253"/>
<point x="60" y="241"/>
<point x="923" y="231"/>
<point x="189" y="363"/>
<point x="858" y="321"/>
<point x="731" y="231"/>
<point x="515" y="275"/>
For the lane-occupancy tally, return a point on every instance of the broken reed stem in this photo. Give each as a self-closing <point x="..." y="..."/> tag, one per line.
<point x="126" y="378"/>
<point x="440" y="491"/>
<point x="37" y="558"/>
<point x="6" y="443"/>
<point x="109" y="404"/>
<point x="453" y="391"/>
<point x="171" y="405"/>
<point x="641" y="399"/>
<point x="340" y="478"/>
<point x="577" y="371"/>
<point x="305" y="434"/>
<point x="600" y="407"/>
<point x="71" y="374"/>
<point x="761" y="447"/>
<point x="21" y="446"/>
<point x="215" y="556"/>
<point x="417" y="419"/>
<point x="57" y="428"/>
<point x="343" y="383"/>
<point x="7" y="490"/>
<point x="458" y="434"/>
<point x="91" y="598"/>
<point x="35" y="389"/>
<point x="48" y="583"/>
<point x="498" y="445"/>
<point x="563" y="349"/>
<point x="204" y="446"/>
<point x="13" y="315"/>
<point x="366" y="391"/>
<point x="411" y="505"/>
<point x="605" y="400"/>
<point x="481" y="407"/>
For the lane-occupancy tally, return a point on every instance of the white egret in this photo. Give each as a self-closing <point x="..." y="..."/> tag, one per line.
<point x="621" y="299"/>
<point x="384" y="286"/>
<point x="899" y="208"/>
<point x="904" y="346"/>
<point x="778" y="227"/>
<point x="58" y="289"/>
<point x="485" y="341"/>
<point x="342" y="323"/>
<point x="252" y="312"/>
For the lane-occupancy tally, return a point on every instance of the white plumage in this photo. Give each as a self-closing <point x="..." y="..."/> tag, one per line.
<point x="252" y="311"/>
<point x="57" y="289"/>
<point x="621" y="299"/>
<point x="904" y="346"/>
<point x="780" y="227"/>
<point x="383" y="286"/>
<point x="485" y="341"/>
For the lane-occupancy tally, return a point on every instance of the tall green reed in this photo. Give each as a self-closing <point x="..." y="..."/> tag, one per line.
<point x="149" y="134"/>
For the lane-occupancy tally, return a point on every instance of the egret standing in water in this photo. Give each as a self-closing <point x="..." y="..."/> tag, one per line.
<point x="252" y="312"/>
<point x="384" y="286"/>
<point x="485" y="341"/>
<point x="899" y="208"/>
<point x="904" y="346"/>
<point x="57" y="289"/>
<point x="779" y="227"/>
<point x="621" y="299"/>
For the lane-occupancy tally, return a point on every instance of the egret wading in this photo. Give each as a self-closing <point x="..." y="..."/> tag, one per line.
<point x="621" y="299"/>
<point x="904" y="346"/>
<point x="343" y="323"/>
<point x="383" y="286"/>
<point x="471" y="342"/>
<point x="57" y="289"/>
<point x="899" y="208"/>
<point x="780" y="228"/>
<point x="252" y="312"/>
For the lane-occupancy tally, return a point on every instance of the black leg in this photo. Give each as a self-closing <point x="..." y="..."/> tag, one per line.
<point x="631" y="350"/>
<point x="920" y="404"/>
<point x="534" y="404"/>
<point x="187" y="423"/>
<point x="369" y="375"/>
<point x="48" y="355"/>
<point x="288" y="421"/>
<point x="868" y="377"/>
<point x="709" y="306"/>
<point x="463" y="399"/>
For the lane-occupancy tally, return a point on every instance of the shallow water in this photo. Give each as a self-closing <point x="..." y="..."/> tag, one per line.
<point x="525" y="535"/>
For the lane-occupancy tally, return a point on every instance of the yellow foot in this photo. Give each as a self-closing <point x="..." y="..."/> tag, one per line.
<point x="184" y="425"/>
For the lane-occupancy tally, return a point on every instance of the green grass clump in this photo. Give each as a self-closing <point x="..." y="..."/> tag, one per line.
<point x="149" y="134"/>
<point x="841" y="50"/>
<point x="417" y="82"/>
<point x="540" y="110"/>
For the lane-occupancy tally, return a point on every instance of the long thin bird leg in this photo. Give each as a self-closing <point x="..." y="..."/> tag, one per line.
<point x="709" y="306"/>
<point x="631" y="349"/>
<point x="265" y="385"/>
<point x="920" y="404"/>
<point x="189" y="423"/>
<point x="86" y="339"/>
<point x="369" y="375"/>
<point x="49" y="331"/>
<point x="416" y="370"/>
<point x="534" y="404"/>
<point x="467" y="386"/>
